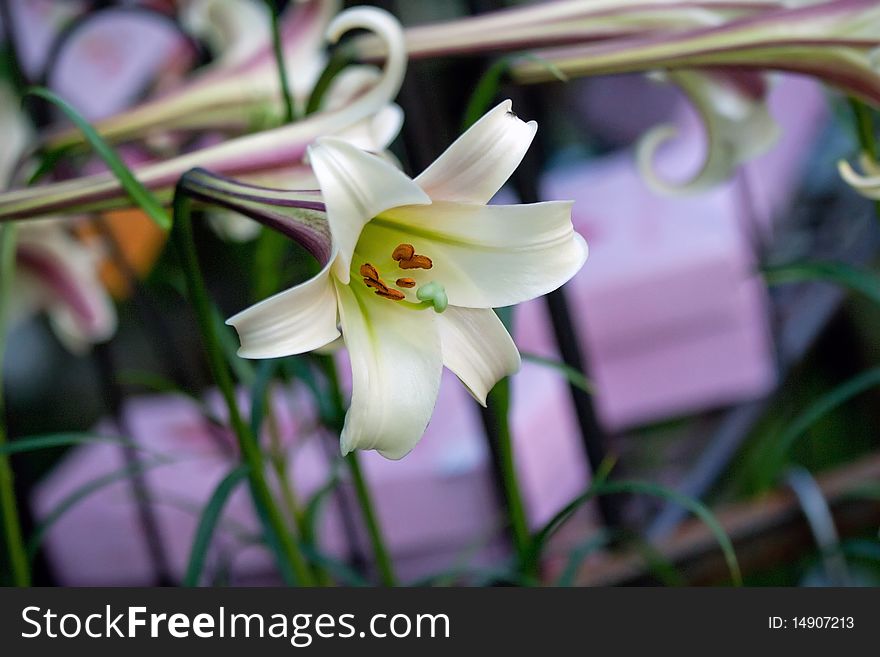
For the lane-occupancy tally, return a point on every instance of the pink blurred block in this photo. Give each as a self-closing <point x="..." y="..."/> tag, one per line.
<point x="37" y="24"/>
<point x="672" y="317"/>
<point x="113" y="58"/>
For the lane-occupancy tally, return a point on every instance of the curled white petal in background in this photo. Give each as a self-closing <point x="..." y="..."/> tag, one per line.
<point x="232" y="29"/>
<point x="867" y="184"/>
<point x="738" y="128"/>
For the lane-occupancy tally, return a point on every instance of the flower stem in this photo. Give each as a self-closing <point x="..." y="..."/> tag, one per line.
<point x="365" y="500"/>
<point x="377" y="540"/>
<point x="289" y="114"/>
<point x="498" y="407"/>
<point x="285" y="483"/>
<point x="289" y="556"/>
<point x="18" y="560"/>
<point x="865" y="133"/>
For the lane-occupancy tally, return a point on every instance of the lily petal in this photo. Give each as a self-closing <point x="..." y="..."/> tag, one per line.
<point x="297" y="320"/>
<point x="481" y="160"/>
<point x="477" y="348"/>
<point x="233" y="30"/>
<point x="485" y="256"/>
<point x="64" y="273"/>
<point x="867" y="184"/>
<point x="738" y="127"/>
<point x="396" y="367"/>
<point x="357" y="186"/>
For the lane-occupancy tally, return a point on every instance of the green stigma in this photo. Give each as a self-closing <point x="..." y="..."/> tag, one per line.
<point x="435" y="294"/>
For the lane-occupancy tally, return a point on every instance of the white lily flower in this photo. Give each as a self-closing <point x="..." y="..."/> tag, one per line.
<point x="415" y="269"/>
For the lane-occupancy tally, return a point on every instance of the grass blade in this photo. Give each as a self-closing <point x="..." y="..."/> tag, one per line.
<point x="80" y="494"/>
<point x="643" y="488"/>
<point x="208" y="523"/>
<point x="573" y="376"/>
<point x="48" y="441"/>
<point x="138" y="193"/>
<point x="490" y="83"/>
<point x="822" y="406"/>
<point x="852" y="278"/>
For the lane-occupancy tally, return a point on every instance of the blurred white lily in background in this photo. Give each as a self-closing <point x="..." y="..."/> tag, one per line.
<point x="415" y="268"/>
<point x="738" y="128"/>
<point x="55" y="272"/>
<point x="715" y="51"/>
<point x="369" y="120"/>
<point x="540" y="24"/>
<point x="240" y="91"/>
<point x="233" y="30"/>
<point x="835" y="41"/>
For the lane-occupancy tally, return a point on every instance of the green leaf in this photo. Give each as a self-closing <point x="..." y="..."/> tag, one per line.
<point x="316" y="503"/>
<point x="35" y="443"/>
<point x="341" y="571"/>
<point x="208" y="522"/>
<point x="857" y="280"/>
<point x="644" y="488"/>
<point x="80" y="494"/>
<point x="280" y="64"/>
<point x="259" y="389"/>
<point x="574" y="377"/>
<point x="822" y="407"/>
<point x="340" y="58"/>
<point x="139" y="194"/>
<point x="578" y="554"/>
<point x="490" y="82"/>
<point x="48" y="162"/>
<point x="12" y="534"/>
<point x="228" y="341"/>
<point x="149" y="380"/>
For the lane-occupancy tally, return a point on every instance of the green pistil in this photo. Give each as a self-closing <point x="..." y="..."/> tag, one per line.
<point x="435" y="294"/>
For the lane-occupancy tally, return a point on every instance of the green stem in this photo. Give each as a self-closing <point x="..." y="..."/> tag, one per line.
<point x="288" y="497"/>
<point x="498" y="404"/>
<point x="289" y="114"/>
<point x="290" y="555"/>
<point x="362" y="491"/>
<point x="18" y="560"/>
<point x="865" y="131"/>
<point x="377" y="540"/>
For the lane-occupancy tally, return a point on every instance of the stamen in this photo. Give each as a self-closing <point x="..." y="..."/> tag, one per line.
<point x="406" y="257"/>
<point x="376" y="285"/>
<point x="416" y="262"/>
<point x="369" y="271"/>
<point x="403" y="252"/>
<point x="389" y="293"/>
<point x="405" y="282"/>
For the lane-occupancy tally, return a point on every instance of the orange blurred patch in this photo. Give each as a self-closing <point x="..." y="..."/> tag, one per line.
<point x="139" y="240"/>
